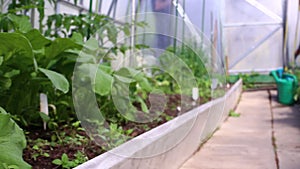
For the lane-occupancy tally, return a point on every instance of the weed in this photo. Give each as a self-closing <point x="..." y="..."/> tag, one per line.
<point x="65" y="162"/>
<point x="234" y="114"/>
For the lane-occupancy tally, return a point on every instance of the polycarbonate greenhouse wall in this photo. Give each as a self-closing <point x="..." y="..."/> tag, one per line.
<point x="253" y="35"/>
<point x="202" y="13"/>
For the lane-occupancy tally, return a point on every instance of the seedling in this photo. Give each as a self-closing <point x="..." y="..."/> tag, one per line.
<point x="65" y="162"/>
<point x="234" y="114"/>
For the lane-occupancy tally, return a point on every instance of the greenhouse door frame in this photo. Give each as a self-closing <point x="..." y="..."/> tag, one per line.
<point x="276" y="20"/>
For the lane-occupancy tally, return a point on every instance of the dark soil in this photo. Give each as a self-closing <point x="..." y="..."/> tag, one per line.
<point x="70" y="140"/>
<point x="56" y="148"/>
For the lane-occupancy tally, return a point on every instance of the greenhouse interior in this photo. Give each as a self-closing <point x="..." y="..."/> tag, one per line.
<point x="129" y="84"/>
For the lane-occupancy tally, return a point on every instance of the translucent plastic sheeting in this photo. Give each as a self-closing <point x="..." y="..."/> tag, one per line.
<point x="199" y="12"/>
<point x="67" y="9"/>
<point x="253" y="35"/>
<point x="266" y="56"/>
<point x="105" y="6"/>
<point x="155" y="32"/>
<point x="274" y="6"/>
<point x="116" y="9"/>
<point x="241" y="11"/>
<point x="240" y="41"/>
<point x="203" y="14"/>
<point x="293" y="21"/>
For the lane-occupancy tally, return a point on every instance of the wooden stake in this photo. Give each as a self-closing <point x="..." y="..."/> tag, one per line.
<point x="227" y="67"/>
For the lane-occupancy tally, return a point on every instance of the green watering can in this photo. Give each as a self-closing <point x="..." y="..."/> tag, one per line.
<point x="286" y="86"/>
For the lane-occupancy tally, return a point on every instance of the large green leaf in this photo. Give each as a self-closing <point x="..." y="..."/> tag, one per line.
<point x="12" y="143"/>
<point x="103" y="83"/>
<point x="5" y="83"/>
<point x="128" y="72"/>
<point x="143" y="104"/>
<point x="112" y="33"/>
<point x="36" y="39"/>
<point x="77" y="38"/>
<point x="144" y="83"/>
<point x="100" y="77"/>
<point x="137" y="75"/>
<point x="58" y="80"/>
<point x="1" y="60"/>
<point x="92" y="44"/>
<point x="59" y="46"/>
<point x="15" y="42"/>
<point x="21" y="22"/>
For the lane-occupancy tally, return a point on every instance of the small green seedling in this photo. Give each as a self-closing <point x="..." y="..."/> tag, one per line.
<point x="65" y="162"/>
<point x="234" y="114"/>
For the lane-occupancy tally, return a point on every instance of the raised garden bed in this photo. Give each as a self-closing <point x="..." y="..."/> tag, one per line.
<point x="170" y="144"/>
<point x="45" y="146"/>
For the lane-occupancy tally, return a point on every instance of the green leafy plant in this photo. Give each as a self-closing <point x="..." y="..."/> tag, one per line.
<point x="80" y="158"/>
<point x="64" y="25"/>
<point x="72" y="139"/>
<point x="247" y="80"/>
<point x="65" y="162"/>
<point x="33" y="64"/>
<point x="26" y="6"/>
<point x="37" y="148"/>
<point x="12" y="143"/>
<point x="106" y="79"/>
<point x="195" y="62"/>
<point x="234" y="114"/>
<point x="108" y="83"/>
<point x="27" y="69"/>
<point x="111" y="136"/>
<point x="9" y="22"/>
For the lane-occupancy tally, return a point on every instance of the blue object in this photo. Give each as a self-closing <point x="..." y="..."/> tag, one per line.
<point x="279" y="72"/>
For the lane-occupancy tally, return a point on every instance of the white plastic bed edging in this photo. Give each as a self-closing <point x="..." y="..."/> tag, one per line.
<point x="169" y="145"/>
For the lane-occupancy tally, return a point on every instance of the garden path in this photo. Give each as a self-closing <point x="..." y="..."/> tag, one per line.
<point x="266" y="135"/>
